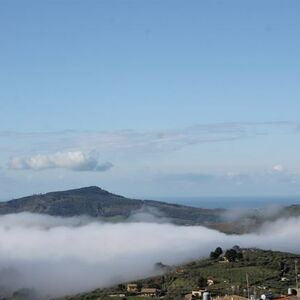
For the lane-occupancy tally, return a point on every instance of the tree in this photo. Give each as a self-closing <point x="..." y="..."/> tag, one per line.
<point x="219" y="251"/>
<point x="231" y="255"/>
<point x="216" y="254"/>
<point x="213" y="255"/>
<point x="239" y="255"/>
<point x="202" y="282"/>
<point x="121" y="287"/>
<point x="286" y="268"/>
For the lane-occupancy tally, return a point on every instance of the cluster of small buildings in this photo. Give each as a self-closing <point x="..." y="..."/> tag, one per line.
<point x="293" y="294"/>
<point x="146" y="292"/>
<point x="134" y="289"/>
<point x="198" y="294"/>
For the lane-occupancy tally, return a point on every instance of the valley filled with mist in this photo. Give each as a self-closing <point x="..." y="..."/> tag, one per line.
<point x="149" y="149"/>
<point x="60" y="255"/>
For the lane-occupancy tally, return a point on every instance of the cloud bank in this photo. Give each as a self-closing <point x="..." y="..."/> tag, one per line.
<point x="147" y="140"/>
<point x="60" y="256"/>
<point x="145" y="158"/>
<point x="72" y="160"/>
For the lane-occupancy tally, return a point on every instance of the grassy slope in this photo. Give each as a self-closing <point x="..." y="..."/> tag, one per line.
<point x="261" y="266"/>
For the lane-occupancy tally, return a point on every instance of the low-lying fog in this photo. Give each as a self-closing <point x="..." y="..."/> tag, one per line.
<point x="68" y="255"/>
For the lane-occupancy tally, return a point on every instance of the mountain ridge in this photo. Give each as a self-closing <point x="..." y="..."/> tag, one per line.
<point x="97" y="202"/>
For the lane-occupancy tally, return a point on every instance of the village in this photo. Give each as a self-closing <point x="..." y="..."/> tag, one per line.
<point x="134" y="292"/>
<point x="231" y="274"/>
<point x="234" y="274"/>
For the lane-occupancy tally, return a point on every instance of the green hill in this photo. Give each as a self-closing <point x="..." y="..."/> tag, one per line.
<point x="264" y="270"/>
<point x="96" y="202"/>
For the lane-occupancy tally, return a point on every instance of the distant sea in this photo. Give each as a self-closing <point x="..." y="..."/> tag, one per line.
<point x="232" y="202"/>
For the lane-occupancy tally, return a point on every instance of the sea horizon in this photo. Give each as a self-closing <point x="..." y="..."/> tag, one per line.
<point x="240" y="202"/>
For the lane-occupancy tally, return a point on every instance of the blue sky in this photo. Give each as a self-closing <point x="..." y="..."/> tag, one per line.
<point x="150" y="98"/>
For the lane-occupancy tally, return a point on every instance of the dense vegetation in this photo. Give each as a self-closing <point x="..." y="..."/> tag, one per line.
<point x="96" y="202"/>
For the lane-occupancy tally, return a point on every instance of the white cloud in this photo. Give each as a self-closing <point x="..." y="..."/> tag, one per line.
<point x="72" y="160"/>
<point x="69" y="255"/>
<point x="278" y="168"/>
<point x="141" y="141"/>
<point x="231" y="174"/>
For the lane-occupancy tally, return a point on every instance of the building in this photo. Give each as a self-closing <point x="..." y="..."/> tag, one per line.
<point x="149" y="292"/>
<point x="223" y="260"/>
<point x="188" y="296"/>
<point x="132" y="287"/>
<point x="198" y="294"/>
<point x="298" y="292"/>
<point x="210" y="282"/>
<point x="287" y="298"/>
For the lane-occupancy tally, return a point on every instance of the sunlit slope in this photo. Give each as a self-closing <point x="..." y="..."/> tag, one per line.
<point x="261" y="267"/>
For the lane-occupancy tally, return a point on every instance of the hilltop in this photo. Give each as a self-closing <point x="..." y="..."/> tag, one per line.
<point x="96" y="202"/>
